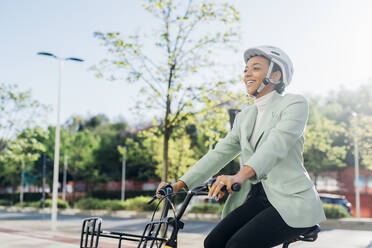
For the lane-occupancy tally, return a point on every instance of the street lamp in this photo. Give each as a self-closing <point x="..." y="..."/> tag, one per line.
<point x="64" y="178"/>
<point x="356" y="162"/>
<point x="56" y="147"/>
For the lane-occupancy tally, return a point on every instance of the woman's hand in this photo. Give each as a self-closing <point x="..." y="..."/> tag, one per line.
<point x="224" y="180"/>
<point x="176" y="186"/>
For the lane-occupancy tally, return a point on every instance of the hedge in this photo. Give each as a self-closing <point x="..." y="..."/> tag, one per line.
<point x="48" y="204"/>
<point x="335" y="211"/>
<point x="116" y="195"/>
<point x="139" y="203"/>
<point x="27" y="196"/>
<point x="207" y="208"/>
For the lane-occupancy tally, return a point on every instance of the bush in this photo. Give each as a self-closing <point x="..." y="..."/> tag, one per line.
<point x="207" y="208"/>
<point x="48" y="204"/>
<point x="22" y="204"/>
<point x="138" y="204"/>
<point x="60" y="204"/>
<point x="335" y="211"/>
<point x="90" y="203"/>
<point x="116" y="194"/>
<point x="5" y="202"/>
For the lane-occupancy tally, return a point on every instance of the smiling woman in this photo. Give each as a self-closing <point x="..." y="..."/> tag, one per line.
<point x="269" y="137"/>
<point x="255" y="72"/>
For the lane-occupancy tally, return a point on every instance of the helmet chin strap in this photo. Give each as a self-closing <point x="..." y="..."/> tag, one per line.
<point x="266" y="80"/>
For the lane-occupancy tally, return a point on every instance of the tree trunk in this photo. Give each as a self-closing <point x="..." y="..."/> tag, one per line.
<point x="165" y="154"/>
<point x="167" y="129"/>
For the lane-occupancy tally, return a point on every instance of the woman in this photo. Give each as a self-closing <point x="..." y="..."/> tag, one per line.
<point x="278" y="200"/>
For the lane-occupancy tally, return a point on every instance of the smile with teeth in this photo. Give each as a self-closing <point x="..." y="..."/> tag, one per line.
<point x="249" y="82"/>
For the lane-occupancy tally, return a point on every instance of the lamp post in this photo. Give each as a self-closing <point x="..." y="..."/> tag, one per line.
<point x="22" y="181"/>
<point x="43" y="195"/>
<point x="123" y="175"/>
<point x="64" y="178"/>
<point x="56" y="146"/>
<point x="356" y="162"/>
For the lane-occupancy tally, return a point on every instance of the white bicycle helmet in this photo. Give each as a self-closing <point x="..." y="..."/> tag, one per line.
<point x="274" y="55"/>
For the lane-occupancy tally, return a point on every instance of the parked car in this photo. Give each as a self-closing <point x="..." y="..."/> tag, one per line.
<point x="336" y="200"/>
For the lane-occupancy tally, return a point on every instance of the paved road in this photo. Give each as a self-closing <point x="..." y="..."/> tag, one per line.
<point x="33" y="230"/>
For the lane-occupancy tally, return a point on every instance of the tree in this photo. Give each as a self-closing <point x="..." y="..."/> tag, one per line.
<point x="141" y="160"/>
<point x="340" y="106"/>
<point x="182" y="155"/>
<point x="179" y="52"/>
<point x="321" y="151"/>
<point x="196" y="133"/>
<point x="364" y="140"/>
<point x="80" y="147"/>
<point x="23" y="151"/>
<point x="18" y="110"/>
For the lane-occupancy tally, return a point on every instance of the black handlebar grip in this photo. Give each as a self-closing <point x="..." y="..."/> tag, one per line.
<point x="166" y="190"/>
<point x="236" y="187"/>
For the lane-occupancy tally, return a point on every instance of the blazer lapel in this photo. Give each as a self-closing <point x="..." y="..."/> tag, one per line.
<point x="247" y="127"/>
<point x="270" y="111"/>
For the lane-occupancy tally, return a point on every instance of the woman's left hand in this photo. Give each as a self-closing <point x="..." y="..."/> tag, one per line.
<point x="221" y="181"/>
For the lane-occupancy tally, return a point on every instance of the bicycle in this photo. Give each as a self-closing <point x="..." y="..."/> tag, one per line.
<point x="155" y="232"/>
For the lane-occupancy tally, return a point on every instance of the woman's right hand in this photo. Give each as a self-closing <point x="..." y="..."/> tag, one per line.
<point x="176" y="186"/>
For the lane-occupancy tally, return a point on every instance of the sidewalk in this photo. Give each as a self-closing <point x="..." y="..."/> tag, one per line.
<point x="344" y="223"/>
<point x="31" y="233"/>
<point x="22" y="231"/>
<point x="35" y="234"/>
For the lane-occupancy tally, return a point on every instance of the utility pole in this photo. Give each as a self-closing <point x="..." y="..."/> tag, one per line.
<point x="123" y="175"/>
<point x="22" y="181"/>
<point x="356" y="162"/>
<point x="64" y="178"/>
<point x="43" y="195"/>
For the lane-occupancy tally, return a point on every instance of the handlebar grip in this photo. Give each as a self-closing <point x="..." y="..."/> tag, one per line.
<point x="166" y="190"/>
<point x="236" y="187"/>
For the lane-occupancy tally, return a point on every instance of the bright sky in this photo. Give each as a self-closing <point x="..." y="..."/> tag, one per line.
<point x="329" y="42"/>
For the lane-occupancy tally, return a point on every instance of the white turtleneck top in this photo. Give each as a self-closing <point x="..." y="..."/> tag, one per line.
<point x="260" y="103"/>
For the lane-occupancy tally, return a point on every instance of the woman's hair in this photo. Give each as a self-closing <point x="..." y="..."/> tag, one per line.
<point x="281" y="86"/>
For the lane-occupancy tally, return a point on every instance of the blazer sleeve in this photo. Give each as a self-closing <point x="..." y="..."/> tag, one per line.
<point x="281" y="137"/>
<point x="212" y="162"/>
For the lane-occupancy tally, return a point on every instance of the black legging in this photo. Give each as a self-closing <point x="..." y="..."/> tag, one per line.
<point x="255" y="224"/>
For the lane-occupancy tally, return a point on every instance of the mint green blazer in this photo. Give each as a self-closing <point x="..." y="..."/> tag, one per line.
<point x="276" y="158"/>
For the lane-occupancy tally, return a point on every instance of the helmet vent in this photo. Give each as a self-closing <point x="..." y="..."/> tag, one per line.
<point x="275" y="53"/>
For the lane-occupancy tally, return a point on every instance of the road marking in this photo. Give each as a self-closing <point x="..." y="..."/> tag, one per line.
<point x="55" y="238"/>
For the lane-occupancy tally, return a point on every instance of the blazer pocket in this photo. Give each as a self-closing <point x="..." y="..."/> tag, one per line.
<point x="297" y="185"/>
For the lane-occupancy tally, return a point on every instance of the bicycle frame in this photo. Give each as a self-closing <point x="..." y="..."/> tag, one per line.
<point x="92" y="227"/>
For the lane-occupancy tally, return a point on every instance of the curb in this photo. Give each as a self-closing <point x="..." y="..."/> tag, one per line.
<point x="364" y="224"/>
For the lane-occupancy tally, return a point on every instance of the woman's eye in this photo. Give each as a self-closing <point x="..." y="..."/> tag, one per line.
<point x="245" y="71"/>
<point x="256" y="68"/>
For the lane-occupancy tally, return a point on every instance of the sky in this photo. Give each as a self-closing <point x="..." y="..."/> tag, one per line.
<point x="329" y="42"/>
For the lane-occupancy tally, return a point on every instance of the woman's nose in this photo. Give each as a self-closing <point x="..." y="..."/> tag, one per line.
<point x="247" y="73"/>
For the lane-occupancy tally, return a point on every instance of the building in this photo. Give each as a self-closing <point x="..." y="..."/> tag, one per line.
<point x="342" y="182"/>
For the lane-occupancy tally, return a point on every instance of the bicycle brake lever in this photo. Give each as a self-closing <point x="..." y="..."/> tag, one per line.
<point x="153" y="199"/>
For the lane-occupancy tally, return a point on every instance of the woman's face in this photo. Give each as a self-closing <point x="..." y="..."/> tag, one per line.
<point x="255" y="71"/>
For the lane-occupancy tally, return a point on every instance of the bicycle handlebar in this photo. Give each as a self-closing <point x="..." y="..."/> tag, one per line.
<point x="234" y="187"/>
<point x="168" y="189"/>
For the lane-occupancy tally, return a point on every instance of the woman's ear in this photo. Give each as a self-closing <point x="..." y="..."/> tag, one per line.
<point x="275" y="76"/>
